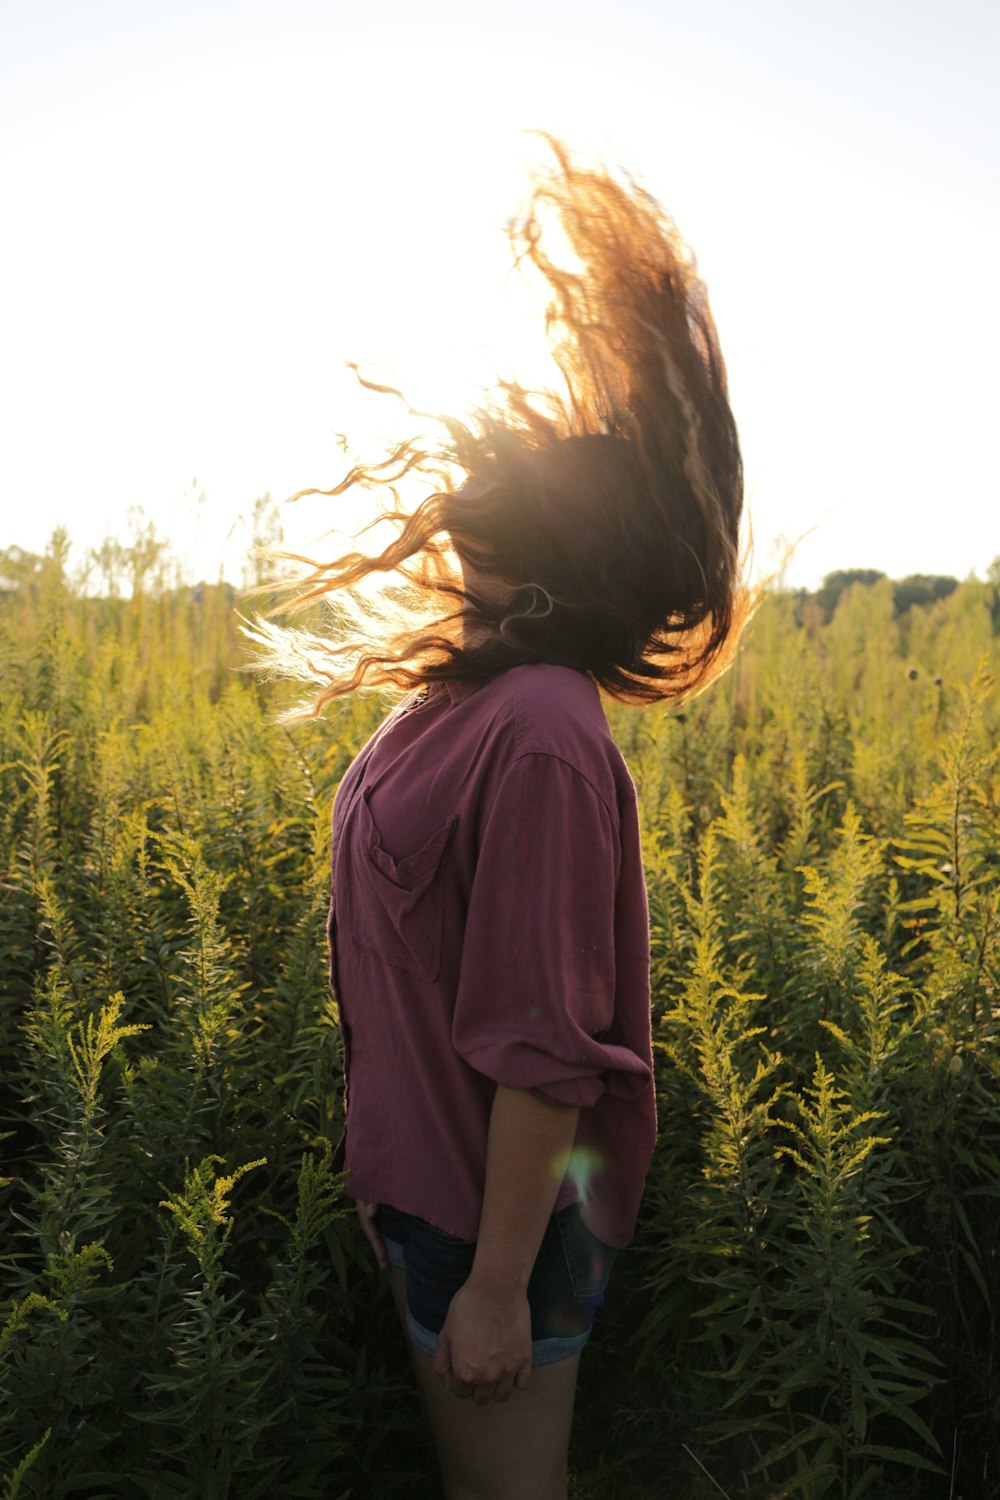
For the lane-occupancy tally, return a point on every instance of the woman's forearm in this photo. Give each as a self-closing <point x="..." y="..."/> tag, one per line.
<point x="529" y="1144"/>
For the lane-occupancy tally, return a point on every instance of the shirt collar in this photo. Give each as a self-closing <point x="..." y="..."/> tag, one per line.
<point x="458" y="689"/>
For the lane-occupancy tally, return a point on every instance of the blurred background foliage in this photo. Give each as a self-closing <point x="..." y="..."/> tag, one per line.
<point x="810" y="1304"/>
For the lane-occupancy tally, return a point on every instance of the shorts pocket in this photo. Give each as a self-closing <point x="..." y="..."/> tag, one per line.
<point x="588" y="1259"/>
<point x="437" y="1264"/>
<point x="395" y="905"/>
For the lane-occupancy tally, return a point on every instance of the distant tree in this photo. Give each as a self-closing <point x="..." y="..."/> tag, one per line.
<point x="921" y="588"/>
<point x="145" y="553"/>
<point x="993" y="579"/>
<point x="265" y="534"/>
<point x="109" y="561"/>
<point x="834" y="584"/>
<point x="18" y="567"/>
<point x="140" y="561"/>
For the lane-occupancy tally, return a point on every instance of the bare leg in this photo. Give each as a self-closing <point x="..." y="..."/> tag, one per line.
<point x="512" y="1450"/>
<point x="397" y="1280"/>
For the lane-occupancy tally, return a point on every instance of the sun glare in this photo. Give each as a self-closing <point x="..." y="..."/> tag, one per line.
<point x="240" y="235"/>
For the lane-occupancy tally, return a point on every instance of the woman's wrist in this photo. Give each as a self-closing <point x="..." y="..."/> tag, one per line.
<point x="499" y="1278"/>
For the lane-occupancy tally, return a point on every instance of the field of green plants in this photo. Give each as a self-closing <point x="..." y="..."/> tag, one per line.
<point x="809" y="1308"/>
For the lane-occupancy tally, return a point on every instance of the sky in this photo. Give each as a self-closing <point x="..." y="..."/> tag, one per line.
<point x="210" y="208"/>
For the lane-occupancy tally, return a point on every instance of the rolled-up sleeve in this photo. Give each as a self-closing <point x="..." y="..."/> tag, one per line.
<point x="535" y="1006"/>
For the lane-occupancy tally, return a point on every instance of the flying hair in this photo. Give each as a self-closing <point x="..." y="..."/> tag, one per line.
<point x="606" y="517"/>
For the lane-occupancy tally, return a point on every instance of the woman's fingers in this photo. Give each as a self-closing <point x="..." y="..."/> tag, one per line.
<point x="484" y="1348"/>
<point x="484" y="1395"/>
<point x="367" y="1213"/>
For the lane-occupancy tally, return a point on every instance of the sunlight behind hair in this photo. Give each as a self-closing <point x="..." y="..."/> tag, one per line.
<point x="239" y="234"/>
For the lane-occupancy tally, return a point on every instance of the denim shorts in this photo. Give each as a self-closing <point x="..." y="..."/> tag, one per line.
<point x="566" y="1288"/>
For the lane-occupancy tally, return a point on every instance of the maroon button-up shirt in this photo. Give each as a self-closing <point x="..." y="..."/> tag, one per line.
<point x="489" y="925"/>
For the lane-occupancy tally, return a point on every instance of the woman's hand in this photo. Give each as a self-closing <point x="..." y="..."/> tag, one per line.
<point x="368" y="1215"/>
<point x="484" y="1348"/>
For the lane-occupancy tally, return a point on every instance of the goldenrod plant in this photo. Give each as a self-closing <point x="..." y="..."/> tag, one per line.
<point x="809" y="1309"/>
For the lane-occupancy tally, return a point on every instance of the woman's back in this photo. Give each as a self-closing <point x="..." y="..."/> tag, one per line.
<point x="489" y="925"/>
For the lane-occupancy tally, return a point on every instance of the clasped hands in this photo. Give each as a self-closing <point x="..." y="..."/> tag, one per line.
<point x="484" y="1348"/>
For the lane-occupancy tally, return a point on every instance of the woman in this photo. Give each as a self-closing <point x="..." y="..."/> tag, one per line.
<point x="489" y="930"/>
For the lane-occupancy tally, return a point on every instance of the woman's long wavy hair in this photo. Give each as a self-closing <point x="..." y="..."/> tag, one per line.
<point x="605" y="523"/>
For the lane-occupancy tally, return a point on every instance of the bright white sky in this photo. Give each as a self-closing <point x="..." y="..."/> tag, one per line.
<point x="211" y="205"/>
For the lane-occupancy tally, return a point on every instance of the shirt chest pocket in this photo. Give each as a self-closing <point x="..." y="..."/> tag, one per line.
<point x="395" y="907"/>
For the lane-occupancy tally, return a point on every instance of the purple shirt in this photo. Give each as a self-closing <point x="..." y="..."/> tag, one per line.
<point x="489" y="924"/>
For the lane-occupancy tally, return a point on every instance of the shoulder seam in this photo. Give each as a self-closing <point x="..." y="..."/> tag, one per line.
<point x="554" y="755"/>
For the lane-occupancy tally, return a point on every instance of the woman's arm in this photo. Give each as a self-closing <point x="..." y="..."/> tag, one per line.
<point x="484" y="1348"/>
